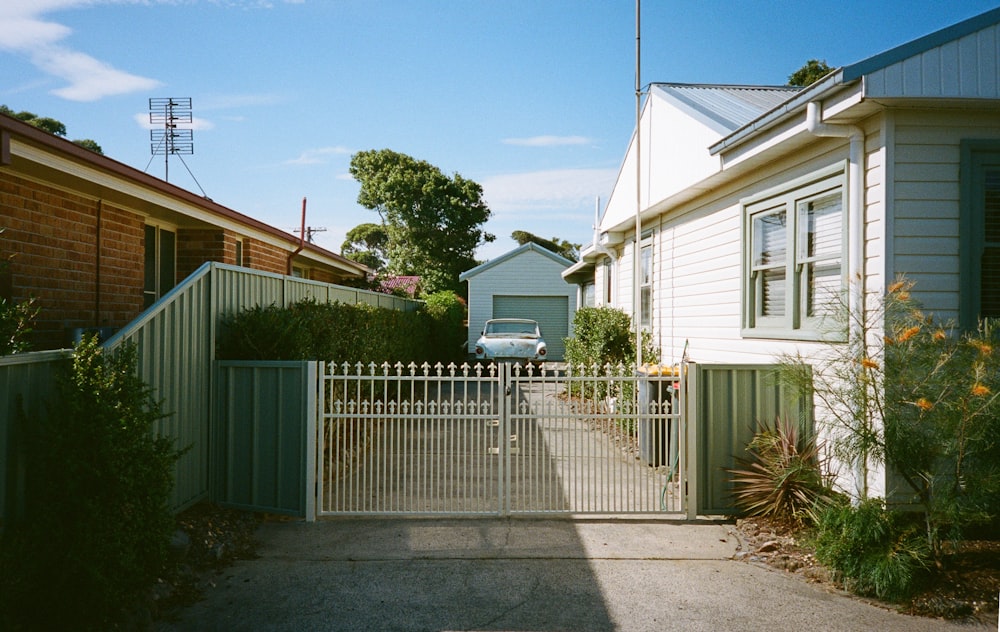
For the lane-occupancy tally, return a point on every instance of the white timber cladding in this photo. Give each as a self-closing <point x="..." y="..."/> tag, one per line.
<point x="698" y="266"/>
<point x="932" y="73"/>
<point x="524" y="272"/>
<point x="926" y="159"/>
<point x="674" y="146"/>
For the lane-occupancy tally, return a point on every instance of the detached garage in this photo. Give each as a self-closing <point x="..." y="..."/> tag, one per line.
<point x="523" y="283"/>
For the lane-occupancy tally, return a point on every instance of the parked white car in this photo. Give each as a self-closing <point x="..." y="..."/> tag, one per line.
<point x="512" y="339"/>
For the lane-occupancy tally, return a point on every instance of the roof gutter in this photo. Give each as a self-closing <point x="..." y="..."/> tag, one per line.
<point x="774" y="115"/>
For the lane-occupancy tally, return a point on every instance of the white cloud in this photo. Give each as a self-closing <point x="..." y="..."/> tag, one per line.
<point x="317" y="156"/>
<point x="23" y="31"/>
<point x="566" y="189"/>
<point x="547" y="141"/>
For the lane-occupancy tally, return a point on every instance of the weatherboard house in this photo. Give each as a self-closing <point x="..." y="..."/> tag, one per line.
<point x="755" y="201"/>
<point x="96" y="241"/>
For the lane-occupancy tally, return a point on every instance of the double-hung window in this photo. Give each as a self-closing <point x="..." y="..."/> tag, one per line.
<point x="795" y="256"/>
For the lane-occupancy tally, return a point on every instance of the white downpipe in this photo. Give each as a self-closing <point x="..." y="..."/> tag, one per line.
<point x="855" y="231"/>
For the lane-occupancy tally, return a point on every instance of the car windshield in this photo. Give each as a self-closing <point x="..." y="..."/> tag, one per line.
<point x="517" y="329"/>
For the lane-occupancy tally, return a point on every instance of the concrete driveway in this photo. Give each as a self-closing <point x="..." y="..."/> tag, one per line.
<point x="518" y="574"/>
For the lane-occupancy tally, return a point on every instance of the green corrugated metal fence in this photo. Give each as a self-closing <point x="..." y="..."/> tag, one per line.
<point x="727" y="401"/>
<point x="263" y="436"/>
<point x="26" y="384"/>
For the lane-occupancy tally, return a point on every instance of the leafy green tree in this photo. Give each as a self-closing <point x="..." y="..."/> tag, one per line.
<point x="559" y="246"/>
<point x="366" y="243"/>
<point x="50" y="125"/>
<point x="86" y="143"/>
<point x="812" y="71"/>
<point x="15" y="318"/>
<point x="433" y="221"/>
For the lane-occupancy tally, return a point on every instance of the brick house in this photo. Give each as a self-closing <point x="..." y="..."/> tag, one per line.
<point x="96" y="241"/>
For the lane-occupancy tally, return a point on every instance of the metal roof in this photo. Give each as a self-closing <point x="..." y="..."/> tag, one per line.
<point x="730" y="106"/>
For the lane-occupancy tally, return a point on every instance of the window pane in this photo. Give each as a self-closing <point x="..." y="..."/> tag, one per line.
<point x="770" y="239"/>
<point x="149" y="276"/>
<point x="167" y="259"/>
<point x="646" y="307"/>
<point x="646" y="271"/>
<point x="990" y="263"/>
<point x="773" y="292"/>
<point x="991" y="204"/>
<point x="822" y="288"/>
<point x="821" y="227"/>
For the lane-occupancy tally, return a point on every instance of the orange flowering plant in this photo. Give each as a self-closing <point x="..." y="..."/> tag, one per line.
<point x="920" y="397"/>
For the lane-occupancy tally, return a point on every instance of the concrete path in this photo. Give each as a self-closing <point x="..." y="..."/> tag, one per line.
<point x="496" y="574"/>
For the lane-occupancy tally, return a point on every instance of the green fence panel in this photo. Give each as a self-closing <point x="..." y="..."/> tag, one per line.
<point x="264" y="436"/>
<point x="731" y="400"/>
<point x="26" y="385"/>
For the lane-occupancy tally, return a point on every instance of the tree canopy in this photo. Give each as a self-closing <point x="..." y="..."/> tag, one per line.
<point x="50" y="125"/>
<point x="366" y="243"/>
<point x="433" y="222"/>
<point x="559" y="246"/>
<point x="812" y="71"/>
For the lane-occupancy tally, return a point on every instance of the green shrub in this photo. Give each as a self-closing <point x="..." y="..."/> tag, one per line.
<point x="783" y="477"/>
<point x="311" y="330"/>
<point x="602" y="335"/>
<point x="446" y="313"/>
<point x="874" y="551"/>
<point x="603" y="344"/>
<point x="97" y="523"/>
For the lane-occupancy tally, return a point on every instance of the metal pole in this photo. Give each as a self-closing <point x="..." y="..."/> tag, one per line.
<point x="637" y="252"/>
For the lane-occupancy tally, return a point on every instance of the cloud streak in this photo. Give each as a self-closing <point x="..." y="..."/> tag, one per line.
<point x="23" y="31"/>
<point x="317" y="156"/>
<point x="557" y="189"/>
<point x="547" y="141"/>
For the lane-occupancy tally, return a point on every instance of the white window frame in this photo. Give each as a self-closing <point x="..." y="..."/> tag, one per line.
<point x="646" y="268"/>
<point x="799" y="319"/>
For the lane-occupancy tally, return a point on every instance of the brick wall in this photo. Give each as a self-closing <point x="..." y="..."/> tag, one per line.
<point x="196" y="246"/>
<point x="53" y="237"/>
<point x="262" y="256"/>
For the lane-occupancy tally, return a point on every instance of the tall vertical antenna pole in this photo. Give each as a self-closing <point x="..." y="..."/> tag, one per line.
<point x="637" y="253"/>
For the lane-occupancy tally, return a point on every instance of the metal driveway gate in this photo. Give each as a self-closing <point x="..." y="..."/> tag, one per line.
<point x="499" y="440"/>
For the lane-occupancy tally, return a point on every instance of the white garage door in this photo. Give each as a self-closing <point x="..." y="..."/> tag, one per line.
<point x="551" y="312"/>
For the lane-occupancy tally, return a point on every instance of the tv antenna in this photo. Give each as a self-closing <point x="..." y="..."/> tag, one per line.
<point x="172" y="140"/>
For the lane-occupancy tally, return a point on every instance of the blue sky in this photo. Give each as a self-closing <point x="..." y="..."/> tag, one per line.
<point x="533" y="99"/>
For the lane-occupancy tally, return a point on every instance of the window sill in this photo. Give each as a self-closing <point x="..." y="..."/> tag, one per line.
<point x="793" y="335"/>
